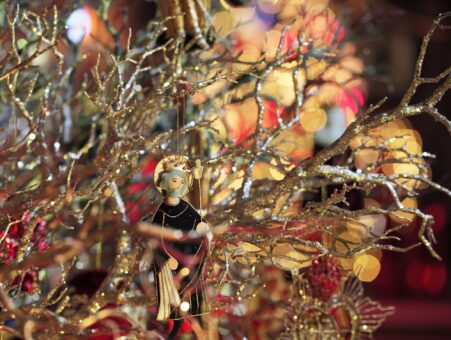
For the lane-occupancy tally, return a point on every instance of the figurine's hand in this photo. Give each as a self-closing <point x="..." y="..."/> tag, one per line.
<point x="173" y="263"/>
<point x="146" y="260"/>
<point x="204" y="228"/>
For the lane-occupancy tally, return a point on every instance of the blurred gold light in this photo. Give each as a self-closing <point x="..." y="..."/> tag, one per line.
<point x="352" y="64"/>
<point x="233" y="183"/>
<point x="402" y="216"/>
<point x="366" y="267"/>
<point x="406" y="138"/>
<point x="356" y="142"/>
<point x="350" y="115"/>
<point x="184" y="271"/>
<point x="401" y="141"/>
<point x="315" y="7"/>
<point x="279" y="85"/>
<point x="318" y="26"/>
<point x="363" y="157"/>
<point x="313" y="120"/>
<point x="270" y="6"/>
<point x="221" y="196"/>
<point x="249" y="54"/>
<point x="223" y="23"/>
<point x="238" y="181"/>
<point x="283" y="78"/>
<point x="425" y="171"/>
<point x="218" y="129"/>
<point x="292" y="143"/>
<point x="249" y="247"/>
<point x="311" y="103"/>
<point x="327" y="94"/>
<point x="291" y="9"/>
<point x="287" y="258"/>
<point x="342" y="76"/>
<point x="315" y="68"/>
<point x="241" y="119"/>
<point x="244" y="89"/>
<point x="406" y="167"/>
<point x="108" y="192"/>
<point x="267" y="171"/>
<point x="250" y="32"/>
<point x="241" y="15"/>
<point x="349" y="239"/>
<point x="249" y="109"/>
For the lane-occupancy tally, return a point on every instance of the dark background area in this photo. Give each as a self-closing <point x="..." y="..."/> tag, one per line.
<point x="415" y="283"/>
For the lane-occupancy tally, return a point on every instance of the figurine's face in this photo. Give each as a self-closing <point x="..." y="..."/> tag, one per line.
<point x="174" y="184"/>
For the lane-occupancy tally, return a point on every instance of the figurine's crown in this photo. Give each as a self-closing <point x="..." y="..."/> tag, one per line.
<point x="176" y="164"/>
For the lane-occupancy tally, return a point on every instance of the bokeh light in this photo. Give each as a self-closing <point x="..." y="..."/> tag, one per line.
<point x="184" y="306"/>
<point x="423" y="277"/>
<point x="399" y="216"/>
<point x="366" y="267"/>
<point x="438" y="211"/>
<point x="79" y="25"/>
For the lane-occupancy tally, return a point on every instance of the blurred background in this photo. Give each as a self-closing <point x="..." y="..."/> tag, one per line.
<point x="387" y="35"/>
<point x="415" y="283"/>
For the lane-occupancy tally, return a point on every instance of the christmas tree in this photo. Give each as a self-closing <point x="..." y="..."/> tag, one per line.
<point x="259" y="110"/>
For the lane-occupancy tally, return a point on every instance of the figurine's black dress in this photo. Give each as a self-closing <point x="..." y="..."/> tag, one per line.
<point x="182" y="217"/>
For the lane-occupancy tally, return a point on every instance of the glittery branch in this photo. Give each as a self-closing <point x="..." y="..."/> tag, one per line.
<point x="71" y="154"/>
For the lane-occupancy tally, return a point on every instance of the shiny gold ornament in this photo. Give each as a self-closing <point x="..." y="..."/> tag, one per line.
<point x="347" y="315"/>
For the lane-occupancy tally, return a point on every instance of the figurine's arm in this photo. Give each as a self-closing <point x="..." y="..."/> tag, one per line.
<point x="204" y="229"/>
<point x="167" y="233"/>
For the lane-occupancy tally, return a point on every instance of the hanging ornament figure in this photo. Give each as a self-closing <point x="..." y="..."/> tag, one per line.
<point x="178" y="259"/>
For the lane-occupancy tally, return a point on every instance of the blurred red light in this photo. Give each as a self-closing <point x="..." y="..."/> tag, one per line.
<point x="148" y="168"/>
<point x="434" y="278"/>
<point x="413" y="276"/>
<point x="351" y="98"/>
<point x="439" y="212"/>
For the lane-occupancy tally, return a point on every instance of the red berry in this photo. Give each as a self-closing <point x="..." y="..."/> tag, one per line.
<point x="324" y="277"/>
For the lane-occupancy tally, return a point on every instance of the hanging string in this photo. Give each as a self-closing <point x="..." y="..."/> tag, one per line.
<point x="177" y="130"/>
<point x="181" y="139"/>
<point x="201" y="208"/>
<point x="183" y="117"/>
<point x="180" y="120"/>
